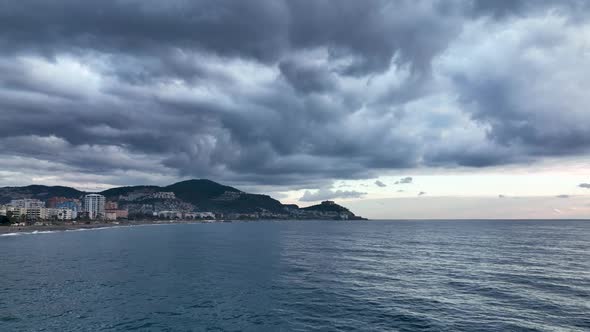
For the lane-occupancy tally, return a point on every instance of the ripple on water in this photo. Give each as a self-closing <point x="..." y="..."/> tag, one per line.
<point x="302" y="276"/>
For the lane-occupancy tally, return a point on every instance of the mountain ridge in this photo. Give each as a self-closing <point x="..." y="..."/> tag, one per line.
<point x="187" y="195"/>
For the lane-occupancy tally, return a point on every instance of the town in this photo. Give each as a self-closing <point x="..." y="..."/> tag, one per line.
<point x="94" y="208"/>
<point x="201" y="200"/>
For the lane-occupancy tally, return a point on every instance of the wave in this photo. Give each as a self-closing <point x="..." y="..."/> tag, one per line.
<point x="60" y="231"/>
<point x="29" y="233"/>
<point x="85" y="229"/>
<point x="11" y="234"/>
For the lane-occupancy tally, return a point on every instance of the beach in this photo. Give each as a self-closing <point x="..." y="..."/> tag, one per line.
<point x="71" y="227"/>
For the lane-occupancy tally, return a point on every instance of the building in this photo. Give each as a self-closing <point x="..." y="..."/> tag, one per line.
<point x="94" y="205"/>
<point x="36" y="213"/>
<point x="15" y="212"/>
<point x="112" y="211"/>
<point x="27" y="203"/>
<point x="116" y="214"/>
<point x="205" y="215"/>
<point x="122" y="214"/>
<point x="57" y="214"/>
<point x="133" y="196"/>
<point x="199" y="215"/>
<point x="71" y="205"/>
<point x="169" y="214"/>
<point x="163" y="195"/>
<point x="65" y="214"/>
<point x="53" y="202"/>
<point x="110" y="205"/>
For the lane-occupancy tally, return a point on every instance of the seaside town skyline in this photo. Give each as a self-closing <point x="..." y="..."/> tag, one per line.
<point x="197" y="200"/>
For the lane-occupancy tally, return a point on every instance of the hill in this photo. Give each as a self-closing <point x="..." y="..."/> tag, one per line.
<point x="186" y="196"/>
<point x="37" y="192"/>
<point x="213" y="196"/>
<point x="329" y="208"/>
<point x="198" y="191"/>
<point x="114" y="193"/>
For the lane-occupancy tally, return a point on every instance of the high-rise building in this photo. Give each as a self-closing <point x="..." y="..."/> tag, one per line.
<point x="94" y="205"/>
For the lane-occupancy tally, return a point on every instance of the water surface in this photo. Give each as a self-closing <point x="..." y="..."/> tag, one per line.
<point x="301" y="276"/>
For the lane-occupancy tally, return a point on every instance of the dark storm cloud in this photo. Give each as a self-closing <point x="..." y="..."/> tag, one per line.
<point x="131" y="27"/>
<point x="263" y="29"/>
<point x="288" y="92"/>
<point x="306" y="78"/>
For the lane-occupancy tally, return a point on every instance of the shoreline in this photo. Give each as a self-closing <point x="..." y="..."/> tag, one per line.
<point x="73" y="227"/>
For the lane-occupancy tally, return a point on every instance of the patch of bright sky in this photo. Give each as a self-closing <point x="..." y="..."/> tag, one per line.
<point x="546" y="184"/>
<point x="577" y="207"/>
<point x="527" y="192"/>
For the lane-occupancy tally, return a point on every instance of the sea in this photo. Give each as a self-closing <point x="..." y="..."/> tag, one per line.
<point x="527" y="275"/>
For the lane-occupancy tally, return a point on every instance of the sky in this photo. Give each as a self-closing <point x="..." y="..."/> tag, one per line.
<point x="396" y="109"/>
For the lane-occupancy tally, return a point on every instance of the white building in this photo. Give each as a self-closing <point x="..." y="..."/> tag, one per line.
<point x="27" y="203"/>
<point x="199" y="215"/>
<point x="163" y="195"/>
<point x="94" y="205"/>
<point x="16" y="212"/>
<point x="57" y="214"/>
<point x="170" y="214"/>
<point x="205" y="215"/>
<point x="35" y="213"/>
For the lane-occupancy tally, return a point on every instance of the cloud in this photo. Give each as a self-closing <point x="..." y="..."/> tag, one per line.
<point x="515" y="121"/>
<point x="380" y="184"/>
<point x="328" y="194"/>
<point x="585" y="185"/>
<point x="406" y="180"/>
<point x="283" y="92"/>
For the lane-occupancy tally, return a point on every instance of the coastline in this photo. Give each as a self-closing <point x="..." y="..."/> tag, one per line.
<point x="73" y="227"/>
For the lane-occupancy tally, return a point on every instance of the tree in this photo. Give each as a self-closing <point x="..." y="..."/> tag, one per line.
<point x="4" y="220"/>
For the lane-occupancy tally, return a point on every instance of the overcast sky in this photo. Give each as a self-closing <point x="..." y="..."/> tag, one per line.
<point x="357" y="101"/>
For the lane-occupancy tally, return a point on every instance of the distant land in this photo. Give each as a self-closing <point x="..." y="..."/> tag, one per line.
<point x="185" y="197"/>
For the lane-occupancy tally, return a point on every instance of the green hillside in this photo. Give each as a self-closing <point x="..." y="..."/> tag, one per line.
<point x="113" y="193"/>
<point x="204" y="195"/>
<point x="37" y="192"/>
<point x="197" y="191"/>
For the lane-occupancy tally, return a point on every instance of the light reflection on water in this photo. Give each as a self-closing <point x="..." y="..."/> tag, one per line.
<point x="301" y="276"/>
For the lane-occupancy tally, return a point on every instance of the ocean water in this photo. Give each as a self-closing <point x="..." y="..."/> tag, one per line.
<point x="301" y="276"/>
